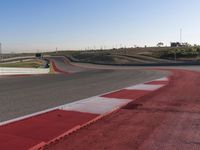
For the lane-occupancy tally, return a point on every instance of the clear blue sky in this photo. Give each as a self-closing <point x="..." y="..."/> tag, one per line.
<point x="30" y="25"/>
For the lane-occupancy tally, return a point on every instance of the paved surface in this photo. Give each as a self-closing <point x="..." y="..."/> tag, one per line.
<point x="28" y="133"/>
<point x="20" y="96"/>
<point x="64" y="64"/>
<point x="166" y="119"/>
<point x="92" y="66"/>
<point x="49" y="127"/>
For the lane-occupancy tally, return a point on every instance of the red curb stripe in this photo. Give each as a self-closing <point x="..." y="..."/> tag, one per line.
<point x="38" y="146"/>
<point x="126" y="94"/>
<point x="42" y="128"/>
<point x="12" y="142"/>
<point x="56" y="69"/>
<point x="42" y="146"/>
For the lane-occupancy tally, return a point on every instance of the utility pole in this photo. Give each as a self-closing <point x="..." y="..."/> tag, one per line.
<point x="180" y="35"/>
<point x="175" y="57"/>
<point x="1" y="51"/>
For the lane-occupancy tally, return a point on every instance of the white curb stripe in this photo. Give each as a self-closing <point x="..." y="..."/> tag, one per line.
<point x="162" y="79"/>
<point x="96" y="105"/>
<point x="23" y="71"/>
<point x="146" y="87"/>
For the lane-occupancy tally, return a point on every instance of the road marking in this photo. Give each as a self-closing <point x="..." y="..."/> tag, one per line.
<point x="96" y="105"/>
<point x="146" y="87"/>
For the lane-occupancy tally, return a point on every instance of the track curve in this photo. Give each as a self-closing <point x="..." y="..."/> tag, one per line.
<point x="25" y="95"/>
<point x="63" y="65"/>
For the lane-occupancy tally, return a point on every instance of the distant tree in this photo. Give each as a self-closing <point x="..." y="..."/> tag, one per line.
<point x="160" y="44"/>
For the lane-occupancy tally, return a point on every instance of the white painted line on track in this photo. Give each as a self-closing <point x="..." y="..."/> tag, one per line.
<point x="146" y="87"/>
<point x="27" y="116"/>
<point x="96" y="105"/>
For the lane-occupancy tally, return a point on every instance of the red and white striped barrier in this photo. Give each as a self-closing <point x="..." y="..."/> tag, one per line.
<point x="37" y="130"/>
<point x="23" y="71"/>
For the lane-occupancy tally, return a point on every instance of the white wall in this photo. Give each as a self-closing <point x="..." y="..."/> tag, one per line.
<point x="23" y="71"/>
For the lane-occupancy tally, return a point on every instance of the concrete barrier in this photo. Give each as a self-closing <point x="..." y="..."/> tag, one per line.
<point x="23" y="71"/>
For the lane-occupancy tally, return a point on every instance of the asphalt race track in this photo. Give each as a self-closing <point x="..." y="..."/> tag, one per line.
<point x="23" y="95"/>
<point x="64" y="64"/>
<point x="162" y="113"/>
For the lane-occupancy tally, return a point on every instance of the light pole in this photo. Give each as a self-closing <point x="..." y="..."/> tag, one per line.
<point x="181" y="36"/>
<point x="1" y="52"/>
<point x="175" y="57"/>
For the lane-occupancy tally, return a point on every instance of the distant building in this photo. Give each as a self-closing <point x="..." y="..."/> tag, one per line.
<point x="175" y="44"/>
<point x="178" y="44"/>
<point x="38" y="55"/>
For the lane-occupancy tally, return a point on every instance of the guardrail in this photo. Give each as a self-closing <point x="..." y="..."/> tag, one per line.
<point x="23" y="71"/>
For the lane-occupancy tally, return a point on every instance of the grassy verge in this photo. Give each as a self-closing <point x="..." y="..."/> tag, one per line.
<point x="24" y="64"/>
<point x="134" y="55"/>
